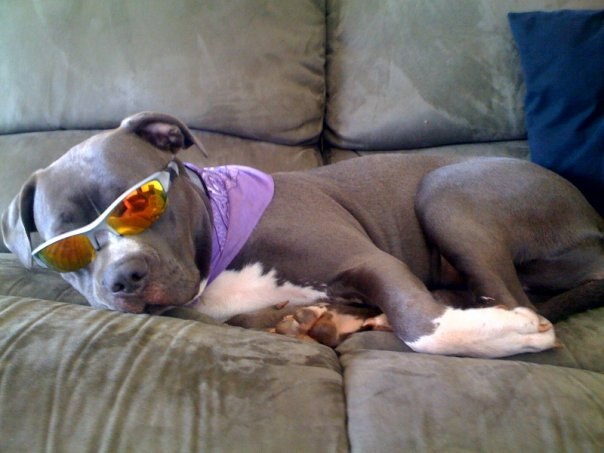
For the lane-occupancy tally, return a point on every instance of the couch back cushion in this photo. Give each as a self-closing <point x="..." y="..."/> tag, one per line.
<point x="410" y="73"/>
<point x="249" y="68"/>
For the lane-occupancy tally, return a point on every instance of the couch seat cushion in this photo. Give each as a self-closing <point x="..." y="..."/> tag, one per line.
<point x="422" y="403"/>
<point x="78" y="379"/>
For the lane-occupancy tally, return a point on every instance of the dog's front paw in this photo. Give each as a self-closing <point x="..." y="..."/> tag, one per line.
<point x="488" y="332"/>
<point x="532" y="322"/>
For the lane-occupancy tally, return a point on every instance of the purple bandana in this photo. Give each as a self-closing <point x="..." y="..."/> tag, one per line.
<point x="238" y="196"/>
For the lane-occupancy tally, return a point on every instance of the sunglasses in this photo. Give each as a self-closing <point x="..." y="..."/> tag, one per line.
<point x="131" y="213"/>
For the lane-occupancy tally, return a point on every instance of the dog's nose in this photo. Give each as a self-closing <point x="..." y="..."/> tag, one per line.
<point x="127" y="277"/>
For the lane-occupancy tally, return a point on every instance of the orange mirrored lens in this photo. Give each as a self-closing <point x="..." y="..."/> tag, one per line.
<point x="68" y="255"/>
<point x="139" y="210"/>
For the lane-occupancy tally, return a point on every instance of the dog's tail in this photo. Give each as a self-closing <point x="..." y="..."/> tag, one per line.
<point x="584" y="297"/>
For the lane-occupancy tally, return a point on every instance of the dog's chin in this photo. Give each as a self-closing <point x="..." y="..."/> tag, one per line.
<point x="138" y="306"/>
<point x="127" y="305"/>
<point x="158" y="309"/>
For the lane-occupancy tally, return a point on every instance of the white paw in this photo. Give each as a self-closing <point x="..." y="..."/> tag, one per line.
<point x="529" y="320"/>
<point x="487" y="332"/>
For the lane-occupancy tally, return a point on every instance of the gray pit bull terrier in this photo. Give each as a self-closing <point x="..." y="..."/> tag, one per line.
<point x="382" y="231"/>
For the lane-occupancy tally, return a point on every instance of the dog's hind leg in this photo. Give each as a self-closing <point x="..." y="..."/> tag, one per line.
<point x="508" y="225"/>
<point x="575" y="278"/>
<point x="581" y="298"/>
<point x="477" y="249"/>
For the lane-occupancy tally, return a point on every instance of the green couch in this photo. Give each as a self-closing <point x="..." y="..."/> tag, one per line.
<point x="279" y="85"/>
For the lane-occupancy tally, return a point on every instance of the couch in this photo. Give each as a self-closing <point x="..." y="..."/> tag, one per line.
<point x="279" y="85"/>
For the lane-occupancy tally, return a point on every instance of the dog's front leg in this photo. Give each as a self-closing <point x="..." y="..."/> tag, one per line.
<point x="427" y="325"/>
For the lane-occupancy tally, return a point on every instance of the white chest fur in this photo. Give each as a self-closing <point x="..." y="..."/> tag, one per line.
<point x="247" y="290"/>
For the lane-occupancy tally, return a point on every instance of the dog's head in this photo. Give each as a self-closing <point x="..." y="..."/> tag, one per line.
<point x="164" y="265"/>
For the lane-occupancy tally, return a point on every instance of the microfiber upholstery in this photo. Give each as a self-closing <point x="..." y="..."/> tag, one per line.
<point x="562" y="55"/>
<point x="422" y="75"/>
<point x="221" y="66"/>
<point x="473" y="405"/>
<point x="91" y="380"/>
<point x="38" y="283"/>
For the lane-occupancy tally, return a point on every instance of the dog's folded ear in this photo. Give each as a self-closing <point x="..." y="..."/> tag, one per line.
<point x="18" y="222"/>
<point x="163" y="131"/>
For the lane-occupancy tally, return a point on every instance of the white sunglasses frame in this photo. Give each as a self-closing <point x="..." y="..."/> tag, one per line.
<point x="164" y="177"/>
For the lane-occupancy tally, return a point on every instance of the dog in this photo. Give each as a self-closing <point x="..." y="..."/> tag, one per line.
<point x="382" y="231"/>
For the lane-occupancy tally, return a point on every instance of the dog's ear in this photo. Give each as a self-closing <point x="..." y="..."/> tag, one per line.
<point x="163" y="131"/>
<point x="18" y="222"/>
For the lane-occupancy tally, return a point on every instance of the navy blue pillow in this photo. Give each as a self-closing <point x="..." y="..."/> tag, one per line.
<point x="562" y="57"/>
